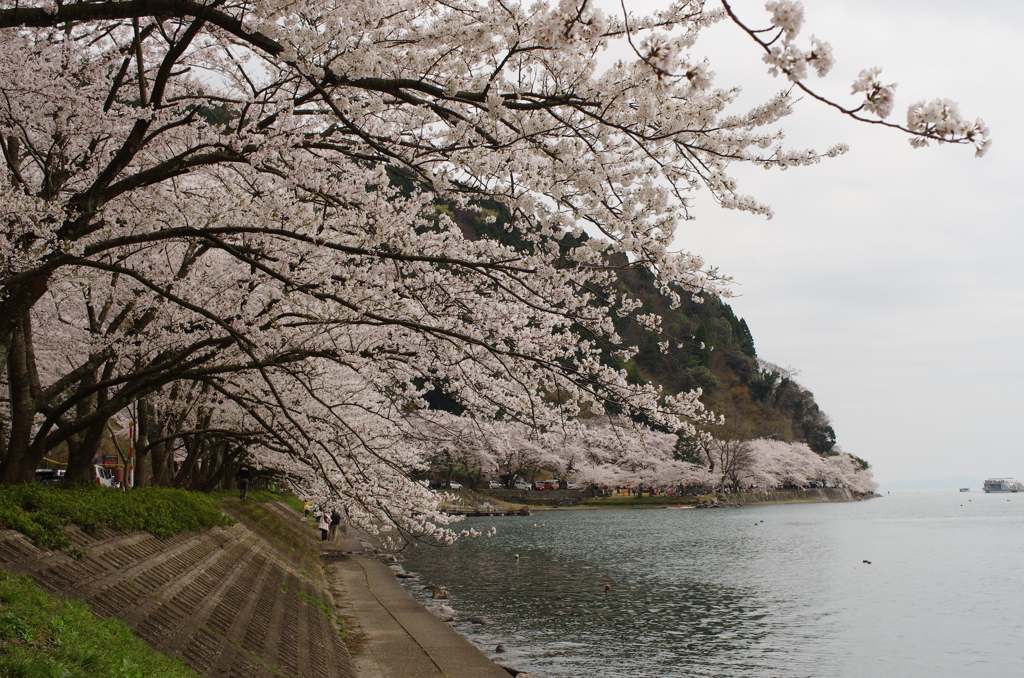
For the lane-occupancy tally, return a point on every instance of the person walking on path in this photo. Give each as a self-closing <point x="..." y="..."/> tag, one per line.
<point x="244" y="477"/>
<point x="324" y="526"/>
<point x="335" y="524"/>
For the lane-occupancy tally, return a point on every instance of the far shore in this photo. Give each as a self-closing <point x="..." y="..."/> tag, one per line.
<point x="562" y="501"/>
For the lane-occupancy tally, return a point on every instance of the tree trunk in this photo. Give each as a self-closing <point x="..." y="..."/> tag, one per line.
<point x="195" y="445"/>
<point x="141" y="443"/>
<point x="221" y="462"/>
<point x="159" y="455"/>
<point x="21" y="461"/>
<point x="81" y="446"/>
<point x="81" y="456"/>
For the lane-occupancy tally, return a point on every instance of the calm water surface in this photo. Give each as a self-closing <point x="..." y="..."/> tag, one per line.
<point x="720" y="593"/>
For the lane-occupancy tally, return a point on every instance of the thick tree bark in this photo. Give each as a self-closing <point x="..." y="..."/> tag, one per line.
<point x="196" y="446"/>
<point x="219" y="463"/>
<point x="141" y="467"/>
<point x="19" y="300"/>
<point x="80" y="451"/>
<point x="159" y="457"/>
<point x="80" y="458"/>
<point x="21" y="461"/>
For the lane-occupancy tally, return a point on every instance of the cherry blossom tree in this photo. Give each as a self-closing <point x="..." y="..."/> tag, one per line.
<point x="771" y="464"/>
<point x="275" y="229"/>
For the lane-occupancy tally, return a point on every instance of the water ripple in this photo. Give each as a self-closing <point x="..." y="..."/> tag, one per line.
<point x="720" y="593"/>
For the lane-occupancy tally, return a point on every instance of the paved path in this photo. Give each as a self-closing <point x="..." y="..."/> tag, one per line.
<point x="399" y="637"/>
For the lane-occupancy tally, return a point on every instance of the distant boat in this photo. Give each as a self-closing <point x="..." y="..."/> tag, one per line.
<point x="1003" y="485"/>
<point x="965" y="489"/>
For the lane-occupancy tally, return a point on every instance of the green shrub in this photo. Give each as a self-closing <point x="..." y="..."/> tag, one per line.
<point x="43" y="511"/>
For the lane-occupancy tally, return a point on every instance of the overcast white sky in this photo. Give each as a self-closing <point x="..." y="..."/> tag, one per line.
<point x="890" y="277"/>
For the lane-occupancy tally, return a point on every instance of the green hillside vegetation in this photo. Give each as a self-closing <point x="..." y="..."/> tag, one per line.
<point x="711" y="349"/>
<point x="714" y="350"/>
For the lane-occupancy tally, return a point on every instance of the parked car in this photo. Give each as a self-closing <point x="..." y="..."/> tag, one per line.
<point x="46" y="476"/>
<point x="454" y="485"/>
<point x="544" y="485"/>
<point x="573" y="485"/>
<point x="523" y="485"/>
<point x="433" y="484"/>
<point x="494" y="485"/>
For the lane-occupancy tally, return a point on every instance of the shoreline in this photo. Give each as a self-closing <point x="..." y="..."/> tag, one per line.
<point x="422" y="627"/>
<point x="803" y="496"/>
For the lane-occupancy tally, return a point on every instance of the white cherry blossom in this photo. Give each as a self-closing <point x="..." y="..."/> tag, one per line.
<point x="253" y="228"/>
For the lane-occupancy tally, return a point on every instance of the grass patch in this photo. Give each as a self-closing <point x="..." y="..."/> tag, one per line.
<point x="43" y="511"/>
<point x="289" y="499"/>
<point x="45" y="636"/>
<point x="262" y="497"/>
<point x="287" y="536"/>
<point x="328" y="614"/>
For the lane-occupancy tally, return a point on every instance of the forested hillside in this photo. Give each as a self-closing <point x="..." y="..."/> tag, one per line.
<point x="710" y="349"/>
<point x="715" y="351"/>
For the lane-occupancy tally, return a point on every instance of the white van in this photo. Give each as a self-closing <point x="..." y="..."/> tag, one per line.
<point x="104" y="476"/>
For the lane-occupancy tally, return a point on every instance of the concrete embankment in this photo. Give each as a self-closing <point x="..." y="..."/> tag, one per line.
<point x="249" y="601"/>
<point x="254" y="600"/>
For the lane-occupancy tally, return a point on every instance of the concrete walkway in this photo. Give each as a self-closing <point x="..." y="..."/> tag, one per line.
<point x="396" y="636"/>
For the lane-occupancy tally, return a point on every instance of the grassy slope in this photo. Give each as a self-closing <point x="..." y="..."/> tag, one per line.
<point x="46" y="636"/>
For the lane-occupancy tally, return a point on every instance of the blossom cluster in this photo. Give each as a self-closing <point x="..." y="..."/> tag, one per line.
<point x="615" y="452"/>
<point x="786" y="57"/>
<point x="878" y="98"/>
<point x="941" y="119"/>
<point x="570" y="22"/>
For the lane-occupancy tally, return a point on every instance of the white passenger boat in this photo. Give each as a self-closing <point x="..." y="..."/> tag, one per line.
<point x="1003" y="485"/>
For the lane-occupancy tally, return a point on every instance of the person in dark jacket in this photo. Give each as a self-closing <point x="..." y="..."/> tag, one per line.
<point x="335" y="523"/>
<point x="244" y="477"/>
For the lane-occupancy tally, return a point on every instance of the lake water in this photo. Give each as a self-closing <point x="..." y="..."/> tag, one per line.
<point x="720" y="593"/>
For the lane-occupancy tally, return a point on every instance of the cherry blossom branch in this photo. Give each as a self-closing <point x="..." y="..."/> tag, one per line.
<point x="939" y="120"/>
